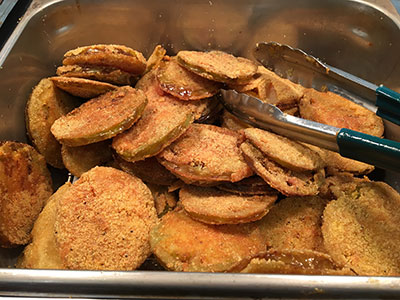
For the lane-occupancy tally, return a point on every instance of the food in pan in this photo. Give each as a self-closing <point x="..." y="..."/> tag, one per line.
<point x="164" y="119"/>
<point x="218" y="66"/>
<point x="332" y="109"/>
<point x="183" y="244"/>
<point x="213" y="206"/>
<point x="100" y="118"/>
<point x="295" y="223"/>
<point x="81" y="87"/>
<point x="78" y="160"/>
<point x="206" y="154"/>
<point x="42" y="252"/>
<point x="100" y="73"/>
<point x="178" y="146"/>
<point x="183" y="84"/>
<point x="25" y="185"/>
<point x="116" y="56"/>
<point x="286" y="181"/>
<point x="103" y="221"/>
<point x="361" y="228"/>
<point x="45" y="105"/>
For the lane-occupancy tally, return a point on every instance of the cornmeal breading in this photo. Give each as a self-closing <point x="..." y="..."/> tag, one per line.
<point x="104" y="220"/>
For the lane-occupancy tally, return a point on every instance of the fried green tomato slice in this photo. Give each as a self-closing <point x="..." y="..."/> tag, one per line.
<point x="332" y="109"/>
<point x="295" y="223"/>
<point x="100" y="118"/>
<point x="81" y="87"/>
<point x="164" y="119"/>
<point x="100" y="73"/>
<point x="285" y="152"/>
<point x="45" y="105"/>
<point x="42" y="252"/>
<point x="183" y="244"/>
<point x="288" y="182"/>
<point x="25" y="186"/>
<point x="155" y="58"/>
<point x="305" y="262"/>
<point x="182" y="83"/>
<point x="208" y="154"/>
<point x="78" y="160"/>
<point x="116" y="56"/>
<point x="335" y="163"/>
<point x="149" y="170"/>
<point x="361" y="229"/>
<point x="218" y="66"/>
<point x="213" y="206"/>
<point x="103" y="221"/>
<point x="253" y="185"/>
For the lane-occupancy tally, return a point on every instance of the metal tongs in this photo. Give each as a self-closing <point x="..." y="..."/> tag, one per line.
<point x="352" y="144"/>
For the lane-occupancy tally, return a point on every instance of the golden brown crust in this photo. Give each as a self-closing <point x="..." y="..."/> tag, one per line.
<point x="117" y="56"/>
<point x="231" y="122"/>
<point x="361" y="231"/>
<point x="182" y="244"/>
<point x="183" y="84"/>
<point x="25" y="185"/>
<point x="295" y="223"/>
<point x="212" y="206"/>
<point x="81" y="87"/>
<point x="103" y="221"/>
<point x="100" y="118"/>
<point x="286" y="152"/>
<point x="288" y="182"/>
<point x="45" y="105"/>
<point x="206" y="153"/>
<point x="42" y="252"/>
<point x="155" y="58"/>
<point x="218" y="66"/>
<point x="78" y="160"/>
<point x="332" y="109"/>
<point x="101" y="73"/>
<point x="164" y="119"/>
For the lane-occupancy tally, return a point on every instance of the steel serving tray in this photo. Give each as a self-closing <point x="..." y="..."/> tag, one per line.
<point x="357" y="36"/>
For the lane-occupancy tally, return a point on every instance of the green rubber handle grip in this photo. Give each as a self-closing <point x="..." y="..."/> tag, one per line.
<point x="388" y="103"/>
<point x="370" y="149"/>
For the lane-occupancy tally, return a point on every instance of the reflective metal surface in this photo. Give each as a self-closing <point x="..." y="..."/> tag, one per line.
<point x="352" y="35"/>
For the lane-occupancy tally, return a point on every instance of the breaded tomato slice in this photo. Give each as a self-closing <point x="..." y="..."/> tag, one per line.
<point x="104" y="220"/>
<point x="42" y="252"/>
<point x="286" y="181"/>
<point x="81" y="87"/>
<point x="78" y="160"/>
<point x="45" y="105"/>
<point x="206" y="154"/>
<point x="332" y="109"/>
<point x="183" y="244"/>
<point x="182" y="83"/>
<point x="117" y="56"/>
<point x="295" y="223"/>
<point x="218" y="66"/>
<point x="213" y="206"/>
<point x="361" y="228"/>
<point x="100" y="118"/>
<point x="25" y="186"/>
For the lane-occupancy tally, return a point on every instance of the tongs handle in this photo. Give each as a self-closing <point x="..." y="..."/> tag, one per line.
<point x="369" y="149"/>
<point x="388" y="103"/>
